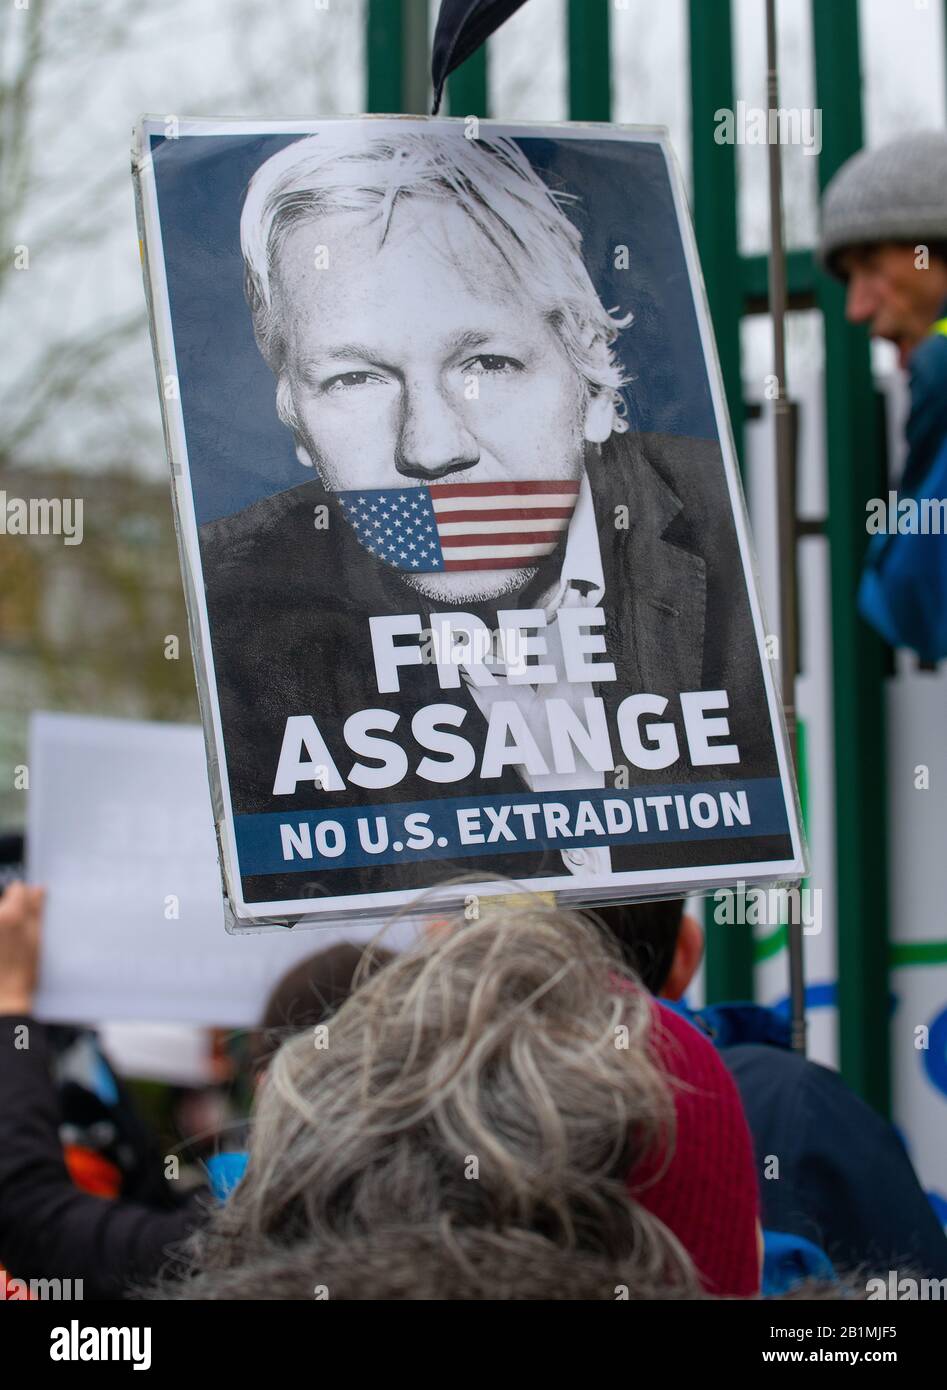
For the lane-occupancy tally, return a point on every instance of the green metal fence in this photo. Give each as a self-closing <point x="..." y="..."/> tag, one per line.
<point x="397" y="55"/>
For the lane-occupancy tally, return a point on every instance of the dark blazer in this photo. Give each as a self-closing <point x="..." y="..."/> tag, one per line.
<point x="845" y="1179"/>
<point x="289" y="607"/>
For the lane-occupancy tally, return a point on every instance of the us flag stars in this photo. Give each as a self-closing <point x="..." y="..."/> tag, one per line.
<point x="397" y="527"/>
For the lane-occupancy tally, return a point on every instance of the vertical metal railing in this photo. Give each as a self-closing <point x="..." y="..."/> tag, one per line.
<point x="397" y="56"/>
<point x="855" y="464"/>
<point x="590" y="87"/>
<point x="729" y="959"/>
<point x="468" y="90"/>
<point x="714" y="172"/>
<point x="384" y="38"/>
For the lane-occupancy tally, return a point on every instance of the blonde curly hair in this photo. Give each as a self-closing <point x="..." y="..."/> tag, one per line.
<point x="466" y="1131"/>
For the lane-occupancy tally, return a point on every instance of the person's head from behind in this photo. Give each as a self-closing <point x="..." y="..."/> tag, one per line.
<point x="306" y="996"/>
<point x="467" y="1132"/>
<point x="658" y="940"/>
<point x="424" y="305"/>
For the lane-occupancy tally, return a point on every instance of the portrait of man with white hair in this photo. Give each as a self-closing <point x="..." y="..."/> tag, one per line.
<point x="487" y="582"/>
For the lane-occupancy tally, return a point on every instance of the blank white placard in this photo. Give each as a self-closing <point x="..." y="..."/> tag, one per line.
<point x="119" y="827"/>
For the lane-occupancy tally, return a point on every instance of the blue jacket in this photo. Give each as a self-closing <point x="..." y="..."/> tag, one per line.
<point x="903" y="592"/>
<point x="926" y="428"/>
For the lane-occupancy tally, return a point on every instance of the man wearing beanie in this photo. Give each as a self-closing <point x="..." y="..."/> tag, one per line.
<point x="884" y="233"/>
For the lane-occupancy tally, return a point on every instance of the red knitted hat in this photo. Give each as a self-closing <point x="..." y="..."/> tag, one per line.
<point x="707" y="1193"/>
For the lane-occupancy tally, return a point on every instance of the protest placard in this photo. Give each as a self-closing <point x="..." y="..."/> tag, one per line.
<point x="121" y="835"/>
<point x="468" y="572"/>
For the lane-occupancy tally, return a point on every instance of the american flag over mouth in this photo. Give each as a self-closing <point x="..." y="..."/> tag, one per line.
<point x="461" y="526"/>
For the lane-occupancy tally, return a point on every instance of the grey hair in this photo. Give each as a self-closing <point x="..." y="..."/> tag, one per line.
<point x="466" y="1133"/>
<point x="490" y="178"/>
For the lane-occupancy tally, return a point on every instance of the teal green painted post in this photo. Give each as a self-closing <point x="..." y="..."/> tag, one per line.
<point x="855" y="464"/>
<point x="467" y="88"/>
<point x="590" y="86"/>
<point x="384" y="44"/>
<point x="729" y="948"/>
<point x="714" y="200"/>
<point x="397" y="57"/>
<point x="415" y="58"/>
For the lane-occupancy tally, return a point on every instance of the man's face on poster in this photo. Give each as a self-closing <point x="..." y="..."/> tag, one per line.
<point x="421" y="358"/>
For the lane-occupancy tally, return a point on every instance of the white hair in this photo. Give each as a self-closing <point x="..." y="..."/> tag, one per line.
<point x="498" y="189"/>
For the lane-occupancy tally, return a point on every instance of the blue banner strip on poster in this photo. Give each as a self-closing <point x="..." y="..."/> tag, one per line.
<point x="463" y="827"/>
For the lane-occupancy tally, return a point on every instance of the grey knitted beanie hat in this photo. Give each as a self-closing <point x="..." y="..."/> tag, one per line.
<point x="897" y="192"/>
